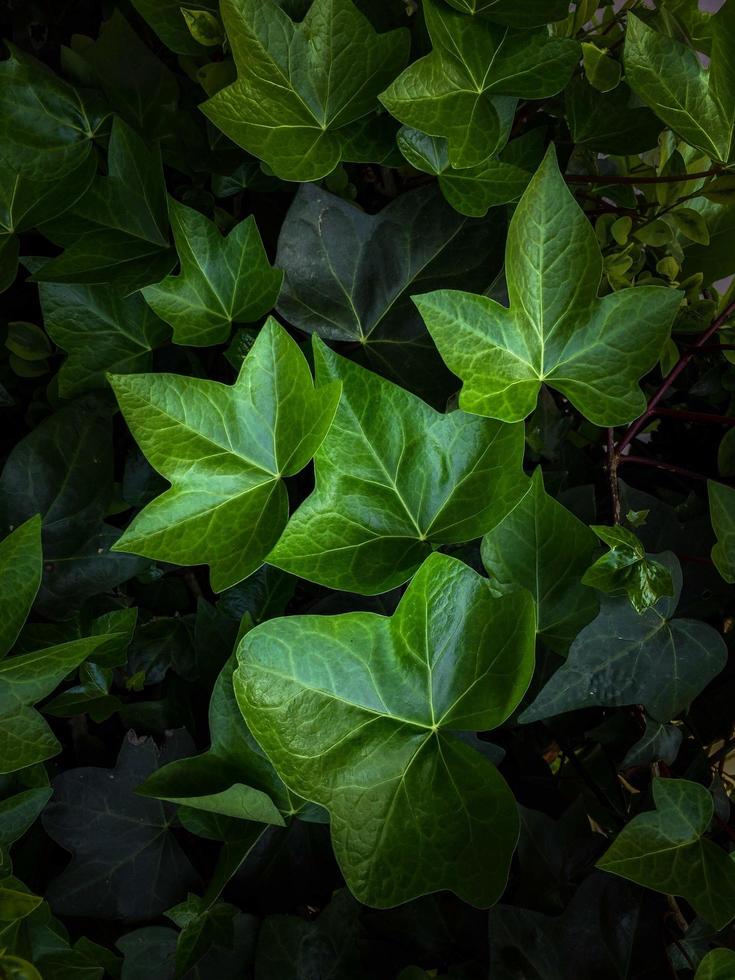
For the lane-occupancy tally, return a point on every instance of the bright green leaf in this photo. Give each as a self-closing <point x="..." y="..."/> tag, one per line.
<point x="225" y="451"/>
<point x="302" y="88"/>
<point x="167" y="20"/>
<point x="665" y="850"/>
<point x="453" y="91"/>
<point x="602" y="71"/>
<point x="393" y="478"/>
<point x="557" y="330"/>
<point x="204" y="26"/>
<point x="626" y="568"/>
<point x="223" y="280"/>
<point x="357" y="712"/>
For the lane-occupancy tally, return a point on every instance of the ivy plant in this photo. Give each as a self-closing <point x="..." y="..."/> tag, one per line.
<point x="367" y="501"/>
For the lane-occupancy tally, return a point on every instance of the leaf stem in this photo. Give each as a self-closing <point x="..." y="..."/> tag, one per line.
<point x="686" y="416"/>
<point x="632" y="179"/>
<point x="612" y="473"/>
<point x="659" y="465"/>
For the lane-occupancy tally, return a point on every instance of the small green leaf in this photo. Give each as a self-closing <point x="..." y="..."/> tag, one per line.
<point x="602" y="71"/>
<point x="722" y="514"/>
<point x="541" y="547"/>
<point x="626" y="568"/>
<point x="223" y="280"/>
<point x="692" y="224"/>
<point x="557" y="331"/>
<point x="204" y="26"/>
<point x="462" y="90"/>
<point x="624" y="657"/>
<point x="665" y="850"/>
<point x="357" y="712"/>
<point x="225" y="450"/>
<point x="303" y="89"/>
<point x="167" y="20"/>
<point x="394" y="478"/>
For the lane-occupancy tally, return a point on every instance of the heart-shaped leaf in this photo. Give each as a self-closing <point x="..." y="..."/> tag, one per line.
<point x="225" y="451"/>
<point x="557" y="331"/>
<point x="465" y="89"/>
<point x="357" y="711"/>
<point x="665" y="850"/>
<point x="301" y="88"/>
<point x="393" y="478"/>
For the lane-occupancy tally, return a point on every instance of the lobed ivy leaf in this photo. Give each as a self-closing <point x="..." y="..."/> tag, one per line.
<point x="20" y="574"/>
<point x="223" y="280"/>
<point x="722" y="515"/>
<point x="626" y="568"/>
<point x="625" y="657"/>
<point x="666" y="851"/>
<point x="225" y="451"/>
<point x="541" y="547"/>
<point x="348" y="275"/>
<point x="659" y="743"/>
<point x="303" y="89"/>
<point x="47" y="127"/>
<point x="465" y="89"/>
<point x="556" y="331"/>
<point x="393" y="479"/>
<point x="697" y="103"/>
<point x="356" y="712"/>
<point x="117" y="233"/>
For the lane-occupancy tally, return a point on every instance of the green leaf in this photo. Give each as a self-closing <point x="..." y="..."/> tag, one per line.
<point x="46" y="127"/>
<point x="534" y="13"/>
<point x="659" y="743"/>
<point x="126" y="863"/>
<point x="233" y="777"/>
<point x="394" y="478"/>
<point x="204" y="26"/>
<point x="166" y="17"/>
<point x="453" y="91"/>
<point x="118" y="230"/>
<point x="25" y="738"/>
<point x="602" y="71"/>
<point x="698" y="104"/>
<point x="225" y="451"/>
<point x="223" y="280"/>
<point x="541" y="547"/>
<point x="20" y="577"/>
<point x="665" y="850"/>
<point x="301" y="88"/>
<point x="101" y="329"/>
<point x="349" y="276"/>
<point x="626" y="568"/>
<point x="718" y="964"/>
<point x="624" y="657"/>
<point x="611" y="122"/>
<point x="557" y="330"/>
<point x="722" y="515"/>
<point x="357" y="711"/>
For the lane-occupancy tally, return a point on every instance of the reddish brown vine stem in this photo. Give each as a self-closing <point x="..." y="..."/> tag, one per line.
<point x="632" y="179"/>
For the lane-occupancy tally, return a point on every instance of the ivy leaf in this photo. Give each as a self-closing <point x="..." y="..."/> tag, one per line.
<point x="613" y="122"/>
<point x="414" y="809"/>
<point x="722" y="515"/>
<point x="557" y="330"/>
<point x="233" y="778"/>
<point x="225" y="451"/>
<point x="25" y="738"/>
<point x="696" y="103"/>
<point x="665" y="850"/>
<point x="626" y="568"/>
<point x="659" y="742"/>
<point x="126" y="863"/>
<point x="20" y="575"/>
<point x="393" y="478"/>
<point x="348" y="275"/>
<point x="117" y="232"/>
<point x="534" y="13"/>
<point x="541" y="547"/>
<point x="453" y="91"/>
<point x="167" y="19"/>
<point x="624" y="657"/>
<point x="223" y="280"/>
<point x="718" y="964"/>
<point x="47" y="127"/>
<point x="301" y="88"/>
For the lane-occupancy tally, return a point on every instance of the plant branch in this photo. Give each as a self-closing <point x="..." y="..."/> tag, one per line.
<point x="659" y="465"/>
<point x="686" y="416"/>
<point x="632" y="179"/>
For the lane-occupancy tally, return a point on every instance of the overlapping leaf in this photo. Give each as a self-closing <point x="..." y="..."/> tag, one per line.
<point x="625" y="657"/>
<point x="665" y="850"/>
<point x="302" y="89"/>
<point x="697" y="103"/>
<point x="465" y="89"/>
<point x="357" y="712"/>
<point x="225" y="451"/>
<point x="393" y="479"/>
<point x="20" y="575"/>
<point x="722" y="515"/>
<point x="541" y="547"/>
<point x="223" y="280"/>
<point x="556" y="331"/>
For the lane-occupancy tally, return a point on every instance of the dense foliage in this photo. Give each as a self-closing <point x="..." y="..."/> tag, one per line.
<point x="367" y="511"/>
